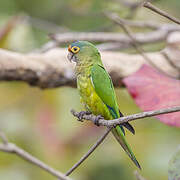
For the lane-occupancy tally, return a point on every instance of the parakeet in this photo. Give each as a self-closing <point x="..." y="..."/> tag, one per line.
<point x="96" y="89"/>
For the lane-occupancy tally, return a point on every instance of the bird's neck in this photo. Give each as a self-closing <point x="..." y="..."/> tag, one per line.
<point x="83" y="69"/>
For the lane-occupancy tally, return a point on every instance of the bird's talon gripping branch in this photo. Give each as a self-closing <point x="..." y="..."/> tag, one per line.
<point x="81" y="115"/>
<point x="114" y="125"/>
<point x="88" y="112"/>
<point x="96" y="120"/>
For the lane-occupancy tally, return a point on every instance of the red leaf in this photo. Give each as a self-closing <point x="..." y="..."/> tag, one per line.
<point x="153" y="90"/>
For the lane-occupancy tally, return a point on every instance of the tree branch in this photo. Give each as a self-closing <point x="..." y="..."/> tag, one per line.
<point x="135" y="44"/>
<point x="161" y="12"/>
<point x="142" y="38"/>
<point x="91" y="150"/>
<point x="111" y="124"/>
<point x="52" y="69"/>
<point x="158" y="35"/>
<point x="13" y="149"/>
<point x="115" y="122"/>
<point x="139" y="24"/>
<point x="47" y="70"/>
<point x="138" y="176"/>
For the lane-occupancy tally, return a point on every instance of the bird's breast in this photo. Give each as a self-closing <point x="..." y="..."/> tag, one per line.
<point x="89" y="97"/>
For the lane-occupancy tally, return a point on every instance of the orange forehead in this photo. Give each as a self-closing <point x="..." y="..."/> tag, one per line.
<point x="69" y="48"/>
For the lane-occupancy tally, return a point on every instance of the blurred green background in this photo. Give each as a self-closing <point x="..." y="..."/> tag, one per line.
<point x="40" y="121"/>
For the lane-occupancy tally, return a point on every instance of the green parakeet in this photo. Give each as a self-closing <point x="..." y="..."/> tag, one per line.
<point x="96" y="89"/>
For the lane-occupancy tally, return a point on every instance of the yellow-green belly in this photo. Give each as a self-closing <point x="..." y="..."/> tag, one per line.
<point x="90" y="99"/>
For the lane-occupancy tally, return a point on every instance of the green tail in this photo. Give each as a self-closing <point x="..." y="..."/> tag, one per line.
<point x="118" y="134"/>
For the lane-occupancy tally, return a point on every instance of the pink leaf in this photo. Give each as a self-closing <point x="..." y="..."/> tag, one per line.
<point x="153" y="90"/>
<point x="47" y="129"/>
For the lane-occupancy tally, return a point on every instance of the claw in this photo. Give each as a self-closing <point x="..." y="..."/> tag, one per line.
<point x="88" y="112"/>
<point x="96" y="121"/>
<point x="114" y="125"/>
<point x="81" y="114"/>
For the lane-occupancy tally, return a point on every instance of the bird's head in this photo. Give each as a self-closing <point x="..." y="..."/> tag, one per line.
<point x="83" y="52"/>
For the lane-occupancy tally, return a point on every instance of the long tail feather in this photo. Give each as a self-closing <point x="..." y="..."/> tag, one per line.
<point x="127" y="125"/>
<point x="117" y="132"/>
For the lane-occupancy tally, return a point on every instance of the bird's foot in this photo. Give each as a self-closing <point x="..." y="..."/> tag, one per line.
<point x="96" y="120"/>
<point x="81" y="115"/>
<point x="114" y="125"/>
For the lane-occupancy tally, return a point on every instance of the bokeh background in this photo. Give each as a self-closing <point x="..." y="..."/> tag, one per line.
<point x="40" y="121"/>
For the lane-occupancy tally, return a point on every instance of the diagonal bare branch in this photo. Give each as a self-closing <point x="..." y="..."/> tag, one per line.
<point x="138" y="176"/>
<point x="135" y="44"/>
<point x="150" y="6"/>
<point x="13" y="149"/>
<point x="140" y="24"/>
<point x="91" y="150"/>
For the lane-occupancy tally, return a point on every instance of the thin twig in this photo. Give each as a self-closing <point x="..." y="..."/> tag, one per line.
<point x="91" y="150"/>
<point x="142" y="38"/>
<point x="115" y="122"/>
<point x="13" y="149"/>
<point x="111" y="124"/>
<point x="161" y="12"/>
<point x="134" y="43"/>
<point x="171" y="63"/>
<point x="140" y="24"/>
<point x="138" y="176"/>
<point x="112" y="46"/>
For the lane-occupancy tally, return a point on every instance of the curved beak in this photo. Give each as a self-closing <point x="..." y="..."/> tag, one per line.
<point x="71" y="57"/>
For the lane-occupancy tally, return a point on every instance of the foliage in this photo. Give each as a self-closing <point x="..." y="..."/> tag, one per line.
<point x="153" y="90"/>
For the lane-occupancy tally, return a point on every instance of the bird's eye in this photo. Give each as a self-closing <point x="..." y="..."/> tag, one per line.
<point x="75" y="49"/>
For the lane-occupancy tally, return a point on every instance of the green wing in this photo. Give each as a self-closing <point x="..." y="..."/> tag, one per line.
<point x="104" y="88"/>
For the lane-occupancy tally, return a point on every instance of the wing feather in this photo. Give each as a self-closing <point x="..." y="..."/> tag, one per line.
<point x="104" y="88"/>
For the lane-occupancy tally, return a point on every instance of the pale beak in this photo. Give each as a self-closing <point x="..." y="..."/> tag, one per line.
<point x="71" y="57"/>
